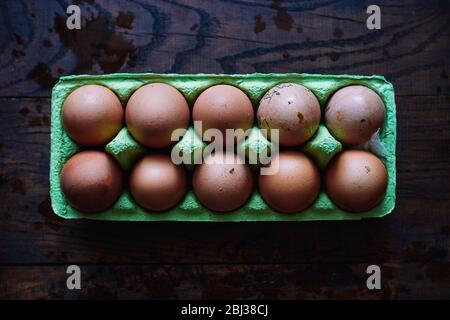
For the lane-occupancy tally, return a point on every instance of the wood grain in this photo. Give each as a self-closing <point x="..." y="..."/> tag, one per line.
<point x="226" y="260"/>
<point x="200" y="281"/>
<point x="230" y="36"/>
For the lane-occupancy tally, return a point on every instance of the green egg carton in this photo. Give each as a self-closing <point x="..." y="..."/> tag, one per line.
<point x="321" y="147"/>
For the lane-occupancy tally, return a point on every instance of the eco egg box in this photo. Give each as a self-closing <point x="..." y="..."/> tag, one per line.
<point x="321" y="148"/>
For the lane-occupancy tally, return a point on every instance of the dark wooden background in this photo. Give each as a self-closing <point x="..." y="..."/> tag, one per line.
<point x="226" y="260"/>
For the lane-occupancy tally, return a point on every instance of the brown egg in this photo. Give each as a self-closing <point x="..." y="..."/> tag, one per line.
<point x="220" y="185"/>
<point x="294" y="187"/>
<point x="92" y="181"/>
<point x="292" y="109"/>
<point x="356" y="180"/>
<point x="153" y="112"/>
<point x="223" y="107"/>
<point x="354" y="114"/>
<point x="157" y="184"/>
<point x="92" y="115"/>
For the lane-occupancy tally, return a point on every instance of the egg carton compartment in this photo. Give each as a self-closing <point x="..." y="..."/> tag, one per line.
<point x="126" y="150"/>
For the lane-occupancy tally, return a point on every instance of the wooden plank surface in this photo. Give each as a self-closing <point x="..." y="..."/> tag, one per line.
<point x="211" y="281"/>
<point x="243" y="260"/>
<point x="232" y="36"/>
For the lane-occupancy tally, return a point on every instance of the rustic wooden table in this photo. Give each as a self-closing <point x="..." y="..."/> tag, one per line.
<point x="226" y="260"/>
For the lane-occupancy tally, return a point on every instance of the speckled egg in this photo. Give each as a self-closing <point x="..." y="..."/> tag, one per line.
<point x="292" y="109"/>
<point x="354" y="114"/>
